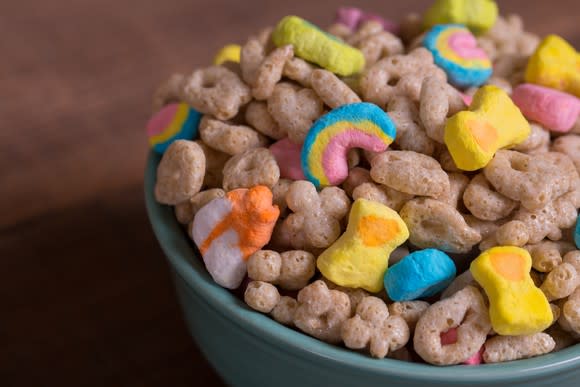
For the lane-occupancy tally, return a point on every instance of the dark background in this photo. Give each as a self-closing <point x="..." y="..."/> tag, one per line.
<point x="85" y="293"/>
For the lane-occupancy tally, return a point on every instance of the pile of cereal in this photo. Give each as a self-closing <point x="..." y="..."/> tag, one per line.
<point x="410" y="190"/>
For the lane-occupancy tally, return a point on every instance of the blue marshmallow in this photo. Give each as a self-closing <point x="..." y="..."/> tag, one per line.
<point x="420" y="274"/>
<point x="577" y="233"/>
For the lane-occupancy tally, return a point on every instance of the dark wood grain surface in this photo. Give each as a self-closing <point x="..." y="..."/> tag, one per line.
<point x="85" y="293"/>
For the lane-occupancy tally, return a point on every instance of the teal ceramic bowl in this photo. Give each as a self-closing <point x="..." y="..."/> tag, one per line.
<point x="249" y="349"/>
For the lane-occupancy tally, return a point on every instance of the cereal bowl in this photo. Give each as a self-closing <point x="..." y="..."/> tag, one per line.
<point x="249" y="349"/>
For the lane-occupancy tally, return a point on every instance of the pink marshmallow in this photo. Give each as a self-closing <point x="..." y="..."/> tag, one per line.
<point x="555" y="110"/>
<point x="450" y="337"/>
<point x="467" y="99"/>
<point x="287" y="155"/>
<point x="349" y="16"/>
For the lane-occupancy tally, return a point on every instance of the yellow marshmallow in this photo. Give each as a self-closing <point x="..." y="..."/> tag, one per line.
<point x="493" y="122"/>
<point x="516" y="305"/>
<point x="360" y="257"/>
<point x="229" y="53"/>
<point x="555" y="64"/>
<point x="477" y="15"/>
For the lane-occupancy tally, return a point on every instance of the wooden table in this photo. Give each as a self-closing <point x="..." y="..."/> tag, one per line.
<point x="85" y="291"/>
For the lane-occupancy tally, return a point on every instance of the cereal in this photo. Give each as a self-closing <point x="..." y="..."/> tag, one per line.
<point x="170" y="91"/>
<point x="410" y="172"/>
<point x="331" y="89"/>
<point x="486" y="203"/>
<point x="216" y="91"/>
<point x="294" y="109"/>
<point x="492" y="122"/>
<point x="466" y="311"/>
<point x="420" y="274"/>
<point x="259" y="118"/>
<point x="313" y="224"/>
<point x="547" y="255"/>
<point x="180" y="172"/>
<point x="322" y="312"/>
<point x="359" y="258"/>
<point x="438" y="102"/>
<point x="312" y="44"/>
<point x="228" y="138"/>
<point x="573" y="258"/>
<point x="517" y="306"/>
<point x="214" y="164"/>
<point x="512" y="233"/>
<point x="555" y="64"/>
<point x="434" y="224"/>
<point x="261" y="296"/>
<point x="185" y="211"/>
<point x="324" y="153"/>
<point x="570" y="316"/>
<point x="372" y="327"/>
<point x="457" y="185"/>
<point x="298" y="70"/>
<point x="478" y="15"/>
<point x="172" y="122"/>
<point x="228" y="53"/>
<point x="553" y="109"/>
<point x="291" y="270"/>
<point x="382" y="194"/>
<point x="398" y="75"/>
<point x="560" y="282"/>
<point x="230" y="229"/>
<point x="455" y="50"/>
<point x="533" y="181"/>
<point x="461" y="281"/>
<point x="410" y="311"/>
<point x="375" y="43"/>
<point x="537" y="141"/>
<point x="411" y="135"/>
<point x="352" y="17"/>
<point x="569" y="145"/>
<point x="284" y="310"/>
<point x="508" y="348"/>
<point x="356" y="177"/>
<point x="450" y="337"/>
<point x="251" y="168"/>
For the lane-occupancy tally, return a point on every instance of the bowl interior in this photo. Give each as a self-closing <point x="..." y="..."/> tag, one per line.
<point x="189" y="266"/>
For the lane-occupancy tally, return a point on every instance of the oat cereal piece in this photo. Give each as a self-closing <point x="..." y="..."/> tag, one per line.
<point x="484" y="202"/>
<point x="512" y="233"/>
<point x="411" y="135"/>
<point x="264" y="266"/>
<point x="356" y="177"/>
<point x="356" y="295"/>
<point x="410" y="172"/>
<point x="560" y="282"/>
<point x="466" y="311"/>
<point x="258" y="116"/>
<point x="374" y="42"/>
<point x="253" y="167"/>
<point x="398" y="75"/>
<point x="185" y="211"/>
<point x="410" y="311"/>
<point x="298" y="267"/>
<point x="294" y="109"/>
<point x="227" y="138"/>
<point x="435" y="224"/>
<point x="171" y="90"/>
<point x="262" y="72"/>
<point x="533" y="180"/>
<point x="373" y="328"/>
<point x="550" y="220"/>
<point x="556" y="312"/>
<point x="537" y="141"/>
<point x="458" y="182"/>
<point x="321" y="312"/>
<point x="438" y="102"/>
<point x="331" y="89"/>
<point x="570" y="315"/>
<point x="547" y="255"/>
<point x="298" y="70"/>
<point x="261" y="296"/>
<point x="484" y="227"/>
<point x="339" y="30"/>
<point x="507" y="348"/>
<point x="460" y="282"/>
<point x="214" y="165"/>
<point x="446" y="161"/>
<point x="284" y="310"/>
<point x="381" y="194"/>
<point x="217" y="91"/>
<point x="573" y="258"/>
<point x="279" y="191"/>
<point x="500" y="82"/>
<point x="312" y="223"/>
<point x="180" y="172"/>
<point x="569" y="145"/>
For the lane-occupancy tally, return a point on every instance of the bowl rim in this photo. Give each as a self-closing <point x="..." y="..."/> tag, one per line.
<point x="188" y="266"/>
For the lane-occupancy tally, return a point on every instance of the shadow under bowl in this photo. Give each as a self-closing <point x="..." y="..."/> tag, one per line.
<point x="249" y="349"/>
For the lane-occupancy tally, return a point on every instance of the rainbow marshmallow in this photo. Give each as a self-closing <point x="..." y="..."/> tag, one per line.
<point x="455" y="50"/>
<point x="324" y="153"/>
<point x="176" y="121"/>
